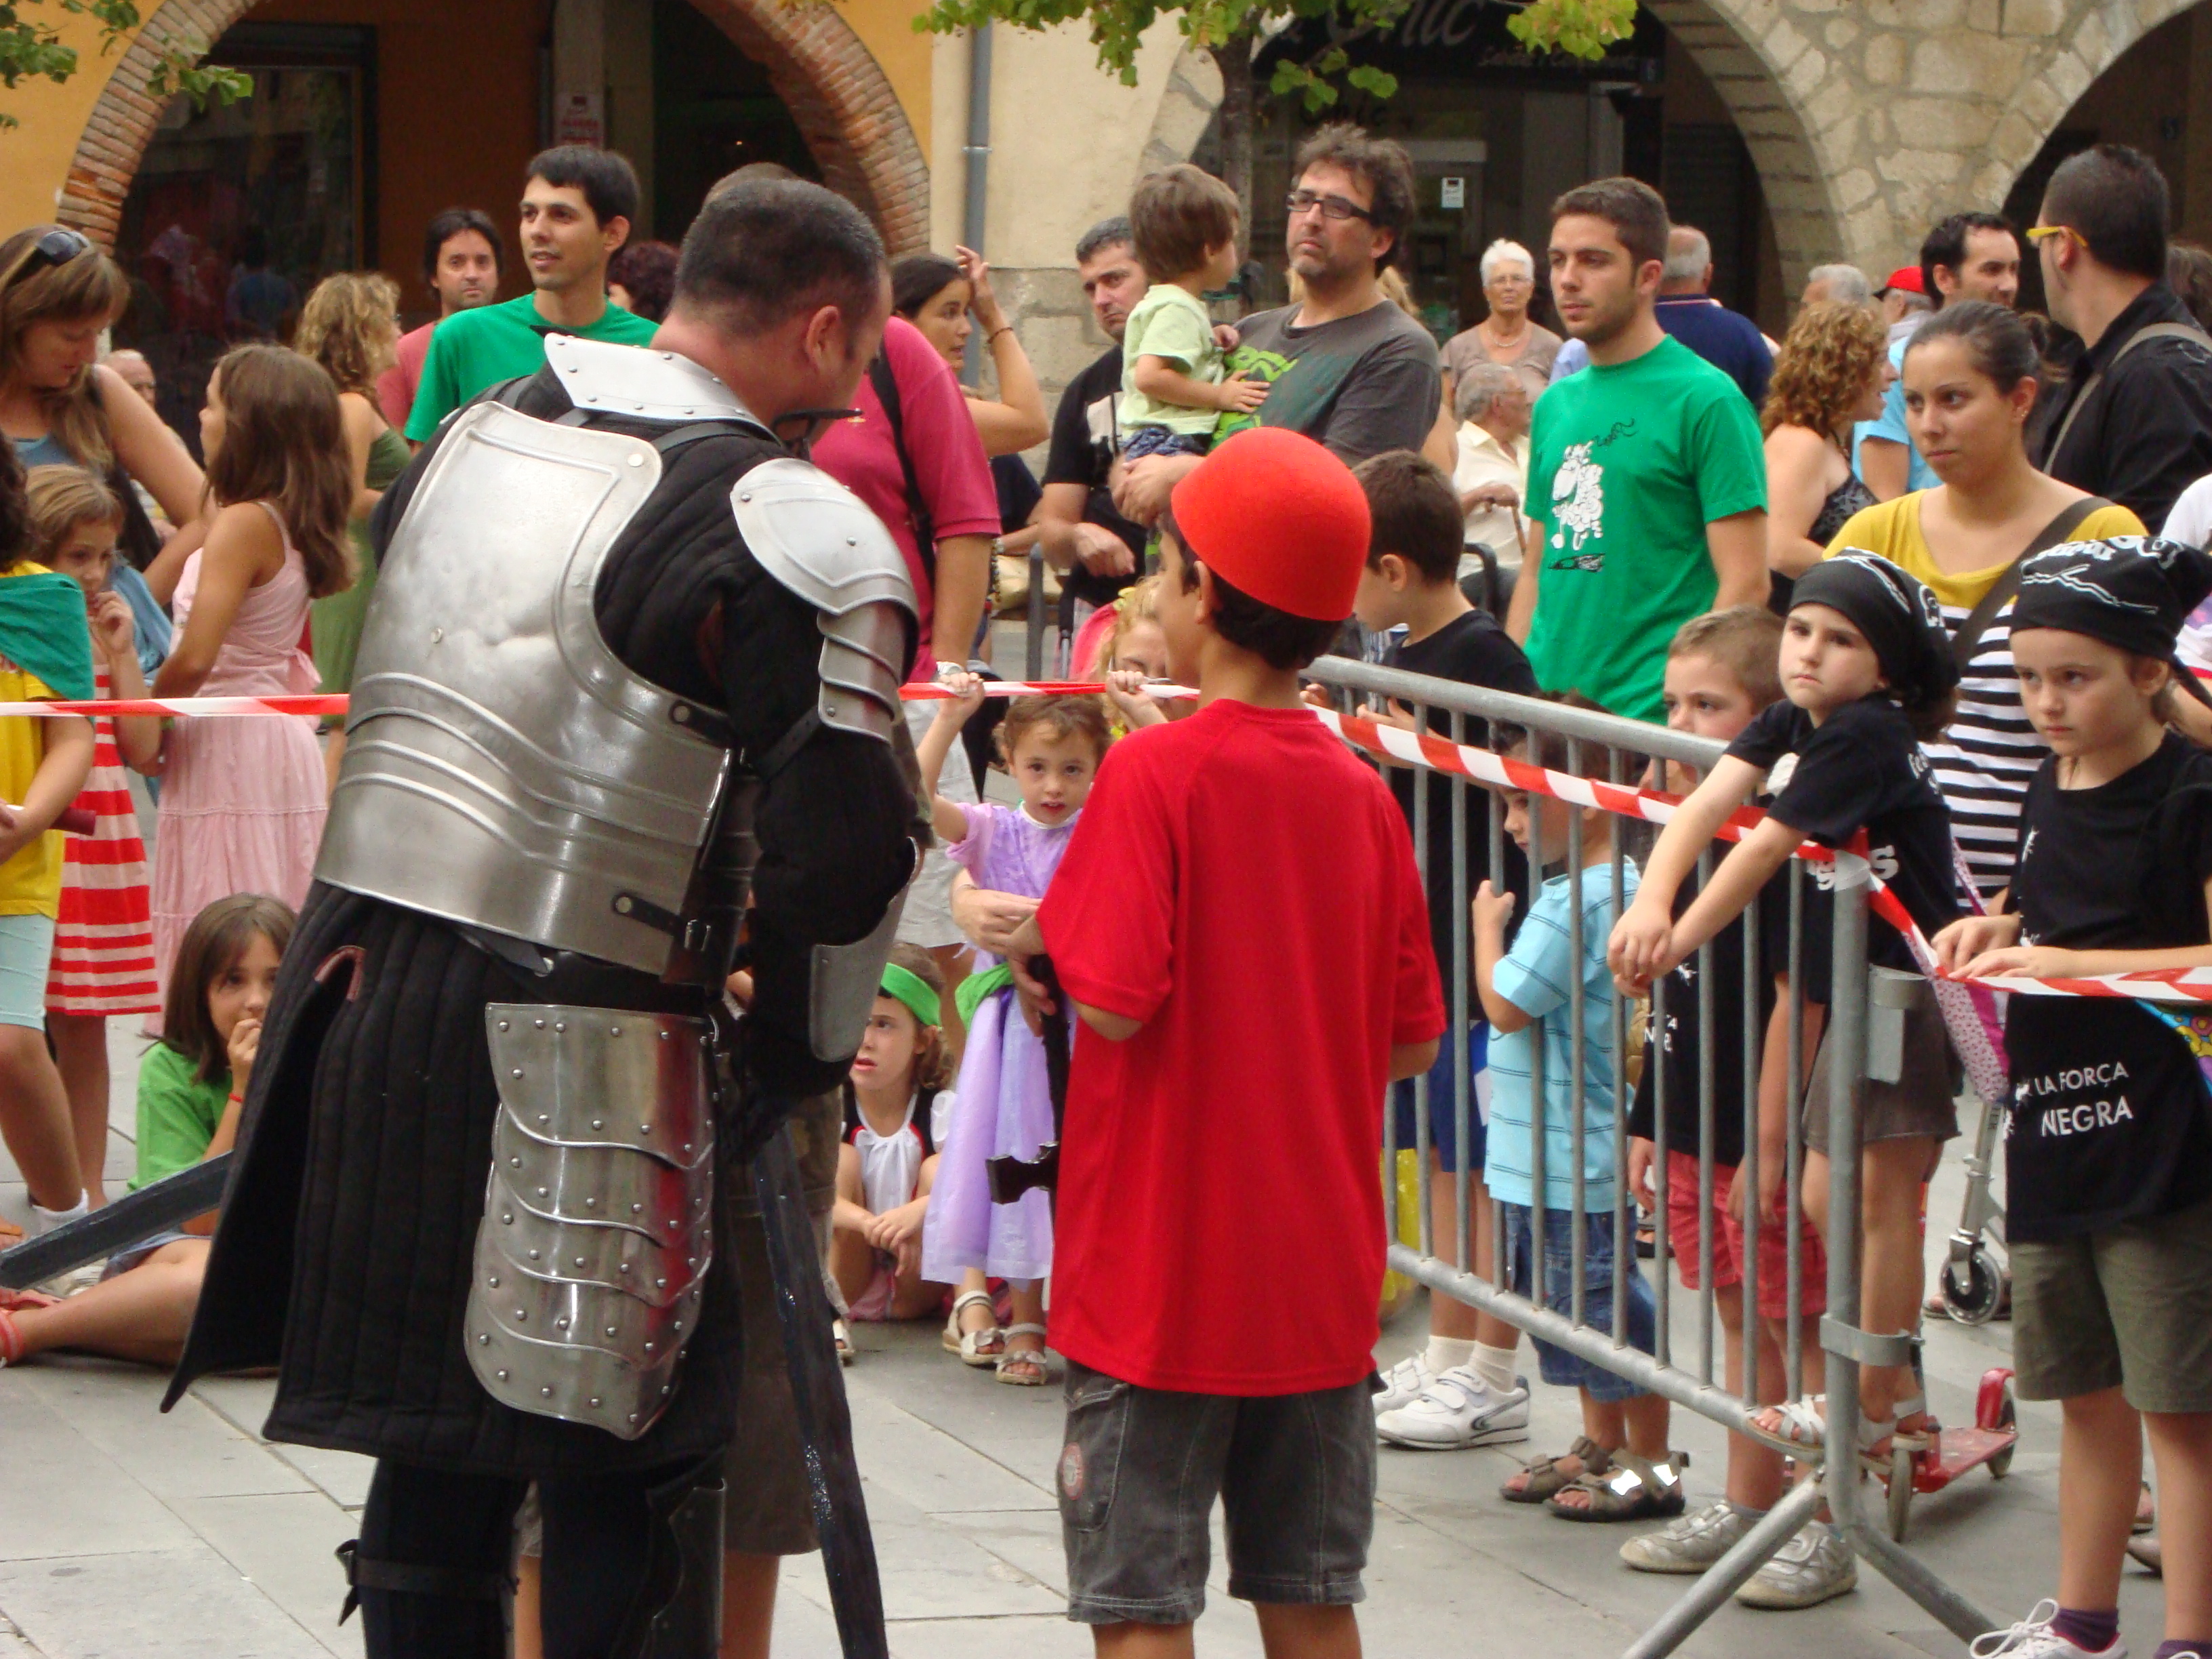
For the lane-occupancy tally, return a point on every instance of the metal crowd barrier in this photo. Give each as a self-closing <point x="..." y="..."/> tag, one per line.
<point x="1448" y="1266"/>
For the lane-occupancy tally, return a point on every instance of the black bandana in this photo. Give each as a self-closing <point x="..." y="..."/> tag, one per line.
<point x="2132" y="591"/>
<point x="1901" y="618"/>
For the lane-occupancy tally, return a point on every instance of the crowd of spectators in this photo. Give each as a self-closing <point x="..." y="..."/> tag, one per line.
<point x="1641" y="512"/>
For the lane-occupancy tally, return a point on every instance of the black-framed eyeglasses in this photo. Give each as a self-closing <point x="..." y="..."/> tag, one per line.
<point x="54" y="247"/>
<point x="1332" y="207"/>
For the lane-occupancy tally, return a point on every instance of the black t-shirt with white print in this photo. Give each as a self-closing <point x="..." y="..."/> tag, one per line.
<point x="2109" y="1121"/>
<point x="1860" y="768"/>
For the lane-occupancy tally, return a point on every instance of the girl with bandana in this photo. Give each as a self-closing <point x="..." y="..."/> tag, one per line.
<point x="1867" y="674"/>
<point x="2108" y="1156"/>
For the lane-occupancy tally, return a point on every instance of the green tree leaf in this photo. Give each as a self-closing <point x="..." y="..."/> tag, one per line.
<point x="30" y="47"/>
<point x="1581" y="28"/>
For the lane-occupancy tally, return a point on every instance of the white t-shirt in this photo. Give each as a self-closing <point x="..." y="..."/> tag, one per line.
<point x="2190" y="521"/>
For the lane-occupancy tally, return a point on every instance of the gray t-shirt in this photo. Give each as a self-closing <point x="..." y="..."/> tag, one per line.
<point x="1360" y="385"/>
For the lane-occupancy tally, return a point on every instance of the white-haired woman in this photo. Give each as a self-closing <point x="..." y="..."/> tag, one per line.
<point x="1506" y="337"/>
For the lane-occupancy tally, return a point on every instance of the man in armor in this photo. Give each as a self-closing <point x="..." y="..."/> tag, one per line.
<point x="629" y="692"/>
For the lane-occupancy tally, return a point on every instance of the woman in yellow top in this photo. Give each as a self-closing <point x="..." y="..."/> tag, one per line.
<point x="45" y="652"/>
<point x="1970" y="381"/>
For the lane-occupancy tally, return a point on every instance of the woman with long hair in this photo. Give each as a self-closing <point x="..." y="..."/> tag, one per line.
<point x="243" y="802"/>
<point x="61" y="408"/>
<point x="1831" y="372"/>
<point x="350" y="326"/>
<point x="948" y="300"/>
<point x="1970" y="384"/>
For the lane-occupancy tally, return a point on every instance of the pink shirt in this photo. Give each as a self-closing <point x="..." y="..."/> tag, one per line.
<point x="949" y="464"/>
<point x="395" y="387"/>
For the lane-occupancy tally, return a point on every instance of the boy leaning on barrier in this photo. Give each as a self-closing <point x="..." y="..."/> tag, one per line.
<point x="1239" y="927"/>
<point x="1462" y="1390"/>
<point x="1619" y="1468"/>
<point x="1867" y="673"/>
<point x="1721" y="672"/>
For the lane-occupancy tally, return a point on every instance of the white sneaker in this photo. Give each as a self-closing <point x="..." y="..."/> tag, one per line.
<point x="1815" y="1566"/>
<point x="2034" y="1638"/>
<point x="1456" y="1411"/>
<point x="1689" y="1543"/>
<point x="1403" y="1384"/>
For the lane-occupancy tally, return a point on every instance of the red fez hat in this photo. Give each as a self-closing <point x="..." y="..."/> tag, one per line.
<point x="1277" y="517"/>
<point x="1907" y="277"/>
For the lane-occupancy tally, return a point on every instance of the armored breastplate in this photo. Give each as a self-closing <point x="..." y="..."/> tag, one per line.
<point x="502" y="767"/>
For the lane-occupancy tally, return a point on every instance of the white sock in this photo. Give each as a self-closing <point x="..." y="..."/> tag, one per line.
<point x="43" y="1220"/>
<point x="1446" y="1351"/>
<point x="1495" y="1367"/>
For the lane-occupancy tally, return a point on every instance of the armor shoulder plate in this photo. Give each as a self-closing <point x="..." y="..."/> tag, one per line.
<point x="818" y="539"/>
<point x="641" y="384"/>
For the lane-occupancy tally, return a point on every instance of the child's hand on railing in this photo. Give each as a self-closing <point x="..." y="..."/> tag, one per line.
<point x="1492" y="909"/>
<point x="1642" y="940"/>
<point x="1958" y="946"/>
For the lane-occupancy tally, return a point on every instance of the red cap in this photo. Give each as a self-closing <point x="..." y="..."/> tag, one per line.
<point x="1277" y="517"/>
<point x="1907" y="277"/>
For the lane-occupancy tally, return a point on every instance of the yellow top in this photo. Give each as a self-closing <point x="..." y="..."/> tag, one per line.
<point x="1893" y="530"/>
<point x="31" y="882"/>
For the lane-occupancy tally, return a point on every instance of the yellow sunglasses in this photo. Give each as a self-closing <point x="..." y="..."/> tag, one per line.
<point x="2037" y="233"/>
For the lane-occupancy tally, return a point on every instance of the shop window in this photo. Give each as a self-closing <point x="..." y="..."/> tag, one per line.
<point x="236" y="213"/>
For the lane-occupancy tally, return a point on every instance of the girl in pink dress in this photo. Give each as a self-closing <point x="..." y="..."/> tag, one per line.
<point x="242" y="799"/>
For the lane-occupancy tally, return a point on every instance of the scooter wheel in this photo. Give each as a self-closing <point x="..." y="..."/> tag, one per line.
<point x="1972" y="1296"/>
<point x="2007" y="1418"/>
<point x="1900" y="1492"/>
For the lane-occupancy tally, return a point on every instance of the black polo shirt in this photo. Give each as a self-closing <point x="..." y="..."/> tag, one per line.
<point x="1086" y="436"/>
<point x="2144" y="433"/>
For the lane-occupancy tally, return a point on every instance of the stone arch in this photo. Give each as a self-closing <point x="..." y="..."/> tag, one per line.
<point x="836" y="92"/>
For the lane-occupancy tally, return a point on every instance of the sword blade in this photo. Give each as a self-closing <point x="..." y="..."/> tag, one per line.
<point x="158" y="1206"/>
<point x="818" y="1391"/>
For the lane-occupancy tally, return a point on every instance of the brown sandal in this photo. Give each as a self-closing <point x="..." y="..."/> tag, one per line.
<point x="1545" y="1477"/>
<point x="1634" y="1489"/>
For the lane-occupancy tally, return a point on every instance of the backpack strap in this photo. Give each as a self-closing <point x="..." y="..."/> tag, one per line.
<point x="2148" y="332"/>
<point x="924" y="527"/>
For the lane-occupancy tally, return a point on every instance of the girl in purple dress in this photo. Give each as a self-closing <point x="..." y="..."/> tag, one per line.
<point x="1002" y="1103"/>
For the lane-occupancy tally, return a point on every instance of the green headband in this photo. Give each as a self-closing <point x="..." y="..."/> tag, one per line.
<point x="910" y="988"/>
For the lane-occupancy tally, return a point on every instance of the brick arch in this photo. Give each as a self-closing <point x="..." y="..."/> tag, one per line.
<point x="836" y="92"/>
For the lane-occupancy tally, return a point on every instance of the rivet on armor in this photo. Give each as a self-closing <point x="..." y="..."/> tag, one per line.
<point x="545" y="1117"/>
<point x="561" y="1324"/>
<point x="501" y="1375"/>
<point x="515" y="1163"/>
<point x="591" y="1203"/>
<point x="541" y="1193"/>
<point x="436" y="634"/>
<point x="493" y="1281"/>
<point x="610" y="1330"/>
<point x="482" y="1338"/>
<point x="637" y="460"/>
<point x="624" y="1268"/>
<point x="598" y="1123"/>
<point x="633" y="1417"/>
<point x="851" y="541"/>
<point x="666" y="1035"/>
<point x="671" y="1225"/>
<point x="538" y="1024"/>
<point x="508" y="1216"/>
<point x="745" y="497"/>
<point x="502" y="1025"/>
<point x="614" y="1030"/>
<point x="663" y="1388"/>
<point x="595" y="1401"/>
<point x="545" y="1390"/>
<point x="680" y="1324"/>
<point x="622" y="905"/>
<point x="560" y="1025"/>
<point x="522" y="1313"/>
<point x="645" y="1129"/>
<point x="516" y="1072"/>
<point x="580" y="1261"/>
<point x="680" y="715"/>
<point x="659" y="1283"/>
<point x="687" y="1148"/>
<point x="651" y="1348"/>
<point x="690" y="1260"/>
<point x="636" y="1209"/>
<point x="533" y="1256"/>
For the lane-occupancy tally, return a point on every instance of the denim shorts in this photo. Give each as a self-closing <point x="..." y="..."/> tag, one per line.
<point x="1140" y="1470"/>
<point x="1158" y="441"/>
<point x="1444" y="1131"/>
<point x="27" y="950"/>
<point x="1556" y="1366"/>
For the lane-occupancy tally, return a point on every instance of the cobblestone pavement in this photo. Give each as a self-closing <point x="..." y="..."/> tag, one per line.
<point x="125" y="1532"/>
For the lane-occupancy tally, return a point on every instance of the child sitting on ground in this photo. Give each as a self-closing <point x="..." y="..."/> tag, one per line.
<point x="103" y="960"/>
<point x="2108" y="1159"/>
<point x="1184" y="224"/>
<point x="1002" y="1104"/>
<point x="1867" y="672"/>
<point x="1721" y="672"/>
<point x="192" y="1087"/>
<point x="1462" y="1390"/>
<point x="888" y="1161"/>
<point x="1240" y="934"/>
<point x="1619" y="1469"/>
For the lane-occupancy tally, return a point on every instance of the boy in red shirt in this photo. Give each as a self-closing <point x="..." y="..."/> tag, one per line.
<point x="1240" y="929"/>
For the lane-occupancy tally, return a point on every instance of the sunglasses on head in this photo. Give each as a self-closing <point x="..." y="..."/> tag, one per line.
<point x="54" y="247"/>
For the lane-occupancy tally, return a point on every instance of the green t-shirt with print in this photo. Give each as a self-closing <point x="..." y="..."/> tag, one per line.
<point x="178" y="1113"/>
<point x="1168" y="322"/>
<point x="1628" y="464"/>
<point x="473" y="350"/>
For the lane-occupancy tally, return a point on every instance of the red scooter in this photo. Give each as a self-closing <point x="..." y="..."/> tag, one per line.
<point x="1991" y="1442"/>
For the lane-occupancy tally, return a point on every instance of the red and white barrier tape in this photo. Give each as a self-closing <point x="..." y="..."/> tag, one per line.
<point x="1392" y="742"/>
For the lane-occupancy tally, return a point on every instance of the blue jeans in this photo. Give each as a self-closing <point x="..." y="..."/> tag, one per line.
<point x="1556" y="1366"/>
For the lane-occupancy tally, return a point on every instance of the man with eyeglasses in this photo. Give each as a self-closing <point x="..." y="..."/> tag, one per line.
<point x="2134" y="425"/>
<point x="1344" y="366"/>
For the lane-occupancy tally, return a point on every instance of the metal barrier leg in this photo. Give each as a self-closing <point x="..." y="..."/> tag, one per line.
<point x="1033" y="661"/>
<point x="1847" y="1017"/>
<point x="1728" y="1575"/>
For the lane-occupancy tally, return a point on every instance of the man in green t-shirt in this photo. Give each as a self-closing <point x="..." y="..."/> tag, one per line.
<point x="1647" y="478"/>
<point x="578" y="204"/>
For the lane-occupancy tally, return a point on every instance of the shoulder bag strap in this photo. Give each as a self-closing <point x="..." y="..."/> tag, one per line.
<point x="1969" y="636"/>
<point x="2148" y="332"/>
<point x="924" y="527"/>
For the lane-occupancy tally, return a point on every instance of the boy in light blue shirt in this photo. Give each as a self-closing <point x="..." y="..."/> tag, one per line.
<point x="1621" y="1468"/>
